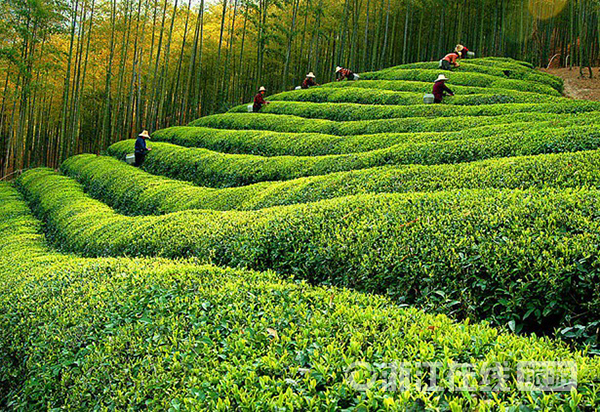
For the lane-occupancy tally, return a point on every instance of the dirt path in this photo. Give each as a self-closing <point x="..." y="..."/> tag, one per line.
<point x="576" y="87"/>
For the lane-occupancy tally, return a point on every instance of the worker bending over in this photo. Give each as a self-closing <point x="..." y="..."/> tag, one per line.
<point x="141" y="150"/>
<point x="450" y="61"/>
<point x="259" y="100"/>
<point x="309" y="81"/>
<point x="341" y="74"/>
<point x="440" y="89"/>
<point x="462" y="51"/>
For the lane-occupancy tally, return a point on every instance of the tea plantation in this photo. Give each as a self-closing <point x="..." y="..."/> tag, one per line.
<point x="283" y="260"/>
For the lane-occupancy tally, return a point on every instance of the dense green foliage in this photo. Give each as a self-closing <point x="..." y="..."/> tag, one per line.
<point x="135" y="192"/>
<point x="296" y="124"/>
<point x="78" y="75"/>
<point x="216" y="169"/>
<point x="267" y="143"/>
<point x="123" y="334"/>
<point x="496" y="60"/>
<point x="419" y="87"/>
<point x="461" y="78"/>
<point x="388" y="97"/>
<point x="523" y="248"/>
<point x="499" y="69"/>
<point x="486" y="208"/>
<point x="350" y="111"/>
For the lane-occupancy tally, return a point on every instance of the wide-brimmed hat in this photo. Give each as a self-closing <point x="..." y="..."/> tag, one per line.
<point x="459" y="47"/>
<point x="144" y="134"/>
<point x="310" y="75"/>
<point x="441" y="77"/>
<point x="337" y="69"/>
<point x="262" y="89"/>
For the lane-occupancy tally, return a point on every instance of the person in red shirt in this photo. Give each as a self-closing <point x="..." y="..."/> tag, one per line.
<point x="259" y="100"/>
<point x="309" y="81"/>
<point x="341" y="74"/>
<point x="440" y="89"/>
<point x="462" y="51"/>
<point x="449" y="61"/>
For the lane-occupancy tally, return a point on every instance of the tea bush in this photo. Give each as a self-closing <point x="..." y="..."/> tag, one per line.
<point x="450" y="214"/>
<point x="503" y="70"/>
<point x="268" y="143"/>
<point x="295" y="124"/>
<point x="388" y="97"/>
<point x="509" y="256"/>
<point x="461" y="78"/>
<point x="129" y="334"/>
<point x="420" y="87"/>
<point x="215" y="169"/>
<point x="135" y="192"/>
<point x="494" y="60"/>
<point x="350" y="111"/>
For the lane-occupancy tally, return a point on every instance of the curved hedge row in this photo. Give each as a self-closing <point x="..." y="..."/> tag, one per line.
<point x="208" y="168"/>
<point x="418" y="87"/>
<point x="135" y="192"/>
<point x="525" y="256"/>
<point x="388" y="97"/>
<point x="120" y="334"/>
<point x="502" y="70"/>
<point x="266" y="143"/>
<point x="509" y="63"/>
<point x="295" y="124"/>
<point x="463" y="79"/>
<point x="354" y="112"/>
<point x="494" y="60"/>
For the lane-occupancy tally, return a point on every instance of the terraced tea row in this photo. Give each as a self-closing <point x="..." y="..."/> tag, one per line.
<point x="433" y="206"/>
<point x="423" y="87"/>
<point x="209" y="168"/>
<point x="513" y="251"/>
<point x="463" y="79"/>
<point x="503" y="70"/>
<point x="267" y="143"/>
<point x="296" y="124"/>
<point x="120" y="334"/>
<point x="388" y="97"/>
<point x="135" y="192"/>
<point x="357" y="112"/>
<point x="496" y="60"/>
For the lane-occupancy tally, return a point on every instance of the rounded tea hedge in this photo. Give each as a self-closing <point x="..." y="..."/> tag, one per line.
<point x="298" y="258"/>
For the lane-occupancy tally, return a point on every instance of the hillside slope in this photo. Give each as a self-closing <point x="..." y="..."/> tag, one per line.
<point x="256" y="257"/>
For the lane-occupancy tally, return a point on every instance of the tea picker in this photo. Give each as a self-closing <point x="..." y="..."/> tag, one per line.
<point x="141" y="150"/>
<point x="309" y="81"/>
<point x="463" y="52"/>
<point x="342" y="74"/>
<point x="440" y="89"/>
<point x="450" y="61"/>
<point x="259" y="100"/>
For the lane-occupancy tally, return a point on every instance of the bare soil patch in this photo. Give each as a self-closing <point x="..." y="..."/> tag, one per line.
<point x="577" y="87"/>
